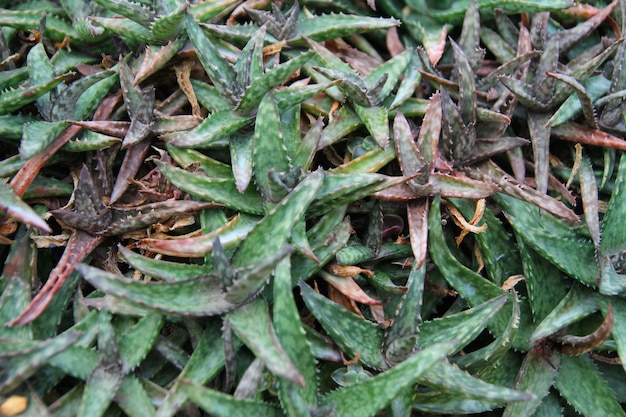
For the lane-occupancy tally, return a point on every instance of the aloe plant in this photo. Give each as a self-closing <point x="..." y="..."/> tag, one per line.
<point x="248" y="209"/>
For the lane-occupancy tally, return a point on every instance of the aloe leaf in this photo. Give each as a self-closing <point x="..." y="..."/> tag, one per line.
<point x="41" y="71"/>
<point x="442" y="402"/>
<point x="401" y="340"/>
<point x="166" y="270"/>
<point x="612" y="240"/>
<point x="222" y="191"/>
<point x="81" y="98"/>
<point x="537" y="375"/>
<point x="349" y="331"/>
<point x="133" y="399"/>
<point x="19" y="365"/>
<point x="463" y="327"/>
<point x="203" y="365"/>
<point x="292" y="336"/>
<point x="155" y="58"/>
<point x="552" y="239"/>
<point x="278" y="223"/>
<point x="206" y="10"/>
<point x="268" y="140"/>
<point x="544" y="282"/>
<point x="619" y="312"/>
<point x="216" y="126"/>
<point x="325" y="250"/>
<point x="269" y="80"/>
<point x="17" y="98"/>
<point x="502" y="258"/>
<point x="252" y="325"/>
<point x="133" y="10"/>
<point x="38" y="135"/>
<point x="576" y="305"/>
<point x="127" y="220"/>
<point x="132" y="32"/>
<point x="409" y="157"/>
<point x="583" y="387"/>
<point x="15" y="281"/>
<point x="167" y="26"/>
<point x="230" y="235"/>
<point x="107" y="376"/>
<point x="201" y="296"/>
<point x="56" y="28"/>
<point x="331" y="26"/>
<point x="474" y="288"/>
<point x="382" y="388"/>
<point x="211" y="167"/>
<point x="448" y="377"/>
<point x="376" y="121"/>
<point x="340" y="189"/>
<point x="223" y="405"/>
<point x="217" y="68"/>
<point x="135" y="344"/>
<point x="15" y="207"/>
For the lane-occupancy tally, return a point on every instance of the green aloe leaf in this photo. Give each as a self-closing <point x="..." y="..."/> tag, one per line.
<point x="537" y="375"/>
<point x="576" y="305"/>
<point x="38" y="135"/>
<point x="292" y="336"/>
<point x="17" y="98"/>
<point x="19" y="365"/>
<point x="583" y="387"/>
<point x="222" y="191"/>
<point x="383" y="388"/>
<point x="165" y="270"/>
<point x="278" y="223"/>
<point x="450" y="378"/>
<point x="15" y="207"/>
<point x="223" y="405"/>
<point x="552" y="239"/>
<point x="133" y="10"/>
<point x="376" y="121"/>
<point x="349" y="331"/>
<point x="201" y="296"/>
<point x="251" y="323"/>
<point x="269" y="80"/>
<point x="268" y="140"/>
<point x="218" y="125"/>
<point x="133" y="398"/>
<point x="135" y="344"/>
<point x="325" y="27"/>
<point x="203" y="365"/>
<point x="107" y="376"/>
<point x="463" y="327"/>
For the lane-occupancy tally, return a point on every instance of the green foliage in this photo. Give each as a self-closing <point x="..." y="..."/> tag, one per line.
<point x="208" y="208"/>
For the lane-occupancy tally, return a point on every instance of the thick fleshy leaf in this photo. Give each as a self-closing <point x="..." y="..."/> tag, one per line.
<point x="349" y="331"/>
<point x="278" y="223"/>
<point x="552" y="239"/>
<point x="577" y="304"/>
<point x="18" y="365"/>
<point x="15" y="207"/>
<point x="223" y="405"/>
<point x="382" y="388"/>
<point x="251" y="323"/>
<point x="201" y="296"/>
<point x="583" y="387"/>
<point x="537" y="375"/>
<point x="219" y="190"/>
<point x="292" y="336"/>
<point x="218" y="125"/>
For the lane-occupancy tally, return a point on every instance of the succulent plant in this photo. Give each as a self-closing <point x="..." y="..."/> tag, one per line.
<point x="264" y="209"/>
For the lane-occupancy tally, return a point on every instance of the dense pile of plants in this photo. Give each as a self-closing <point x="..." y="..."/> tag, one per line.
<point x="312" y="209"/>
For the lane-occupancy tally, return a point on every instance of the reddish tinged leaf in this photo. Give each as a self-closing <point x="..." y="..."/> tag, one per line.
<point x="577" y="345"/>
<point x="108" y="127"/>
<point x="13" y="206"/>
<point x="349" y="288"/>
<point x="79" y="246"/>
<point x="445" y="184"/>
<point x="133" y="160"/>
<point x="417" y="214"/>
<point x="428" y="138"/>
<point x="512" y="187"/>
<point x="587" y="136"/>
